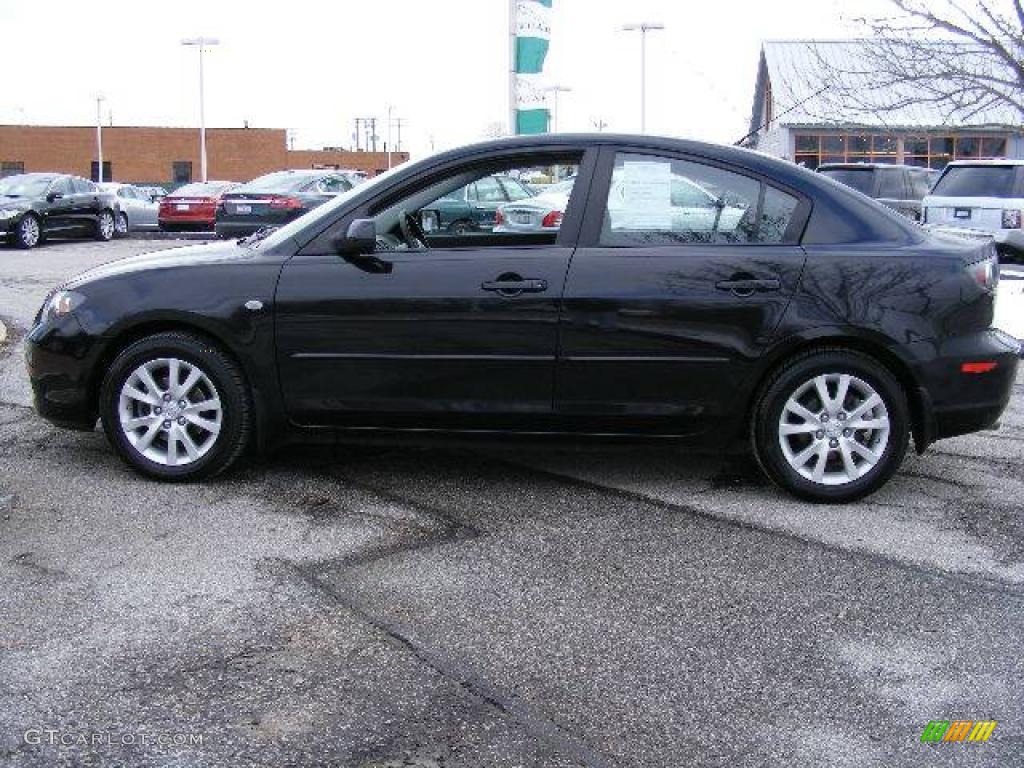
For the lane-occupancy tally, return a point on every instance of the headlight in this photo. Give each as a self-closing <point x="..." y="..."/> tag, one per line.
<point x="61" y="303"/>
<point x="8" y="213"/>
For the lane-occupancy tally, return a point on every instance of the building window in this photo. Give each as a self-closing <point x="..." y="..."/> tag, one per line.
<point x="94" y="171"/>
<point x="921" y="150"/>
<point x="181" y="171"/>
<point x="11" y="167"/>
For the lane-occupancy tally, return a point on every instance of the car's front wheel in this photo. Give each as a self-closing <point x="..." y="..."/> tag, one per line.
<point x="176" y="407"/>
<point x="831" y="426"/>
<point x="28" y="232"/>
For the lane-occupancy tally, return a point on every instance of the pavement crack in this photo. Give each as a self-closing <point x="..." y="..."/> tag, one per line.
<point x="534" y="722"/>
<point x="975" y="581"/>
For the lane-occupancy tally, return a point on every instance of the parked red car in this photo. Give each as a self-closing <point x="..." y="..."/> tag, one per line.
<point x="193" y="206"/>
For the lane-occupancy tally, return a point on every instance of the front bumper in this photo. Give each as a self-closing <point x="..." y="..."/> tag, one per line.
<point x="59" y="358"/>
<point x="958" y="402"/>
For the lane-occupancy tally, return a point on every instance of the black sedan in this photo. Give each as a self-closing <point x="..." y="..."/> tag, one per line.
<point x="692" y="291"/>
<point x="276" y="199"/>
<point x="36" y="205"/>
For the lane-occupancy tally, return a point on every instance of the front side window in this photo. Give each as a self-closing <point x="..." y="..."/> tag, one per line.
<point x="488" y="216"/>
<point x="660" y="201"/>
<point x="61" y="185"/>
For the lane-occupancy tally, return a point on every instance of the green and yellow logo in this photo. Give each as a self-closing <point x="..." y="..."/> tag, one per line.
<point x="958" y="730"/>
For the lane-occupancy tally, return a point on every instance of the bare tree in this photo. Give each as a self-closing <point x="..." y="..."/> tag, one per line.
<point x="959" y="59"/>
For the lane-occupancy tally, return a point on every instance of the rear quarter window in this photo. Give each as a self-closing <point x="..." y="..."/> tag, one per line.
<point x="977" y="181"/>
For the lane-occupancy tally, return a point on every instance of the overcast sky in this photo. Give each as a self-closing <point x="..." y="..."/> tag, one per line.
<point x="314" y="66"/>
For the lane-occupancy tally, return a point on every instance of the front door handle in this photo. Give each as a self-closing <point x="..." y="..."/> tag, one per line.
<point x="508" y="285"/>
<point x="748" y="286"/>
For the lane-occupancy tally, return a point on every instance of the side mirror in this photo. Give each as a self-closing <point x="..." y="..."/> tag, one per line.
<point x="360" y="240"/>
<point x="54" y="196"/>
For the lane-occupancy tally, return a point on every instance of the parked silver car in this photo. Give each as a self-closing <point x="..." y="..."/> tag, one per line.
<point x="138" y="211"/>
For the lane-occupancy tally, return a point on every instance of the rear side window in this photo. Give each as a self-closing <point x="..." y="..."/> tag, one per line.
<point x="660" y="201"/>
<point x="920" y="184"/>
<point x="890" y="186"/>
<point x="976" y="181"/>
<point x="861" y="179"/>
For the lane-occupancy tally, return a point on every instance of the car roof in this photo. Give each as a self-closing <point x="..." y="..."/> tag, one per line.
<point x="831" y="166"/>
<point x="991" y="161"/>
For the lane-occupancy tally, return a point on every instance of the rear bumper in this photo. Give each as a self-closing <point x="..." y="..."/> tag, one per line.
<point x="956" y="402"/>
<point x="229" y="225"/>
<point x="1003" y="238"/>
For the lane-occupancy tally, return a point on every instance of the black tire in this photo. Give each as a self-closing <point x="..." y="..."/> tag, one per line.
<point x="23" y="233"/>
<point x="122" y="225"/>
<point x="106" y="226"/>
<point x="226" y="376"/>
<point x="768" y="413"/>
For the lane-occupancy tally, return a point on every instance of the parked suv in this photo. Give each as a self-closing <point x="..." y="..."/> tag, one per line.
<point x="981" y="199"/>
<point x="901" y="187"/>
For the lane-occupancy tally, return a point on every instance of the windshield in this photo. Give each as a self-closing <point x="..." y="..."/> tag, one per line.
<point x="976" y="181"/>
<point x="24" y="185"/>
<point x="278" y="182"/>
<point x="327" y="210"/>
<point x="857" y="178"/>
<point x="202" y="189"/>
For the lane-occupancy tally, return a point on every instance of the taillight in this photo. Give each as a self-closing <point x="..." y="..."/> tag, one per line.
<point x="979" y="367"/>
<point x="985" y="273"/>
<point x="285" y="203"/>
<point x="553" y="219"/>
<point x="499" y="218"/>
<point x="1011" y="219"/>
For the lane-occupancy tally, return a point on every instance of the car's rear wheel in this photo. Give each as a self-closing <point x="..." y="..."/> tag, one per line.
<point x="831" y="425"/>
<point x="122" y="224"/>
<point x="175" y="407"/>
<point x="28" y="232"/>
<point x="106" y="226"/>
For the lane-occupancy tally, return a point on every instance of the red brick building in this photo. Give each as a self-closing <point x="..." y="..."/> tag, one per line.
<point x="169" y="156"/>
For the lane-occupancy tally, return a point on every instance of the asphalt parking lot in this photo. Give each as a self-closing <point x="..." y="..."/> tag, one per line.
<point x="454" y="605"/>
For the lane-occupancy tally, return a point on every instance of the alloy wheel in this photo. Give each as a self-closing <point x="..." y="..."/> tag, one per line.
<point x="170" y="411"/>
<point x="122" y="224"/>
<point x="834" y="429"/>
<point x="29" y="231"/>
<point x="106" y="225"/>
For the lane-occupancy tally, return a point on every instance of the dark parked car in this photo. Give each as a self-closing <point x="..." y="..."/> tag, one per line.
<point x="34" y="206"/>
<point x="474" y="207"/>
<point x="276" y="199"/>
<point x="815" y="325"/>
<point x="192" y="206"/>
<point x="901" y="187"/>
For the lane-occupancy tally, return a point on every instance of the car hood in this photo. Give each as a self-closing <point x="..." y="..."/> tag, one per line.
<point x="15" y="203"/>
<point x="174" y="258"/>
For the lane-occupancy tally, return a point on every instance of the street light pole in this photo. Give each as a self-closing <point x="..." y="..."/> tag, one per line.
<point x="556" y="89"/>
<point x="389" y="136"/>
<point x="201" y="43"/>
<point x="99" y="137"/>
<point x="643" y="28"/>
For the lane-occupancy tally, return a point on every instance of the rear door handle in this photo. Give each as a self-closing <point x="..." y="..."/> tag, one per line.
<point x="749" y="286"/>
<point x="515" y="287"/>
